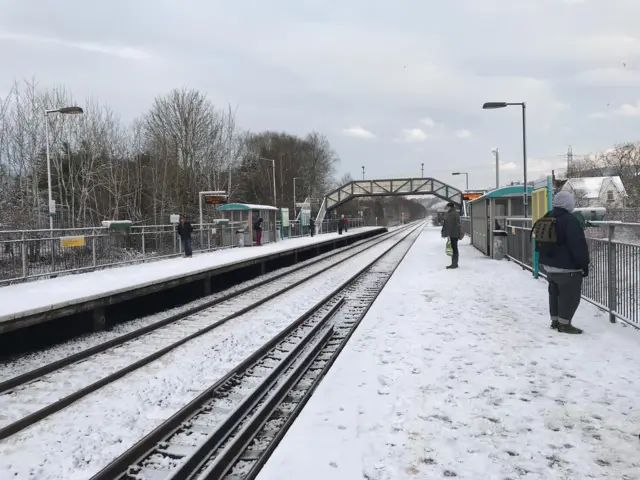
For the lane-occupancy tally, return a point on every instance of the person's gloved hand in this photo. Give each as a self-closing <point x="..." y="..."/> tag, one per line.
<point x="585" y="272"/>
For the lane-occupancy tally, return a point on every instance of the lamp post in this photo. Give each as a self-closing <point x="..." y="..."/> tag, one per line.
<point x="63" y="111"/>
<point x="422" y="170"/>
<point x="465" y="174"/>
<point x="497" y="155"/>
<point x="294" y="195"/>
<point x="273" y="168"/>
<point x="363" y="172"/>
<point x="494" y="105"/>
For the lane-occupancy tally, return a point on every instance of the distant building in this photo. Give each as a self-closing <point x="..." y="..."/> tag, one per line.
<point x="606" y="192"/>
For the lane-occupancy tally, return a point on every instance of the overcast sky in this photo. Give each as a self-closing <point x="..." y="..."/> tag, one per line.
<point x="393" y="84"/>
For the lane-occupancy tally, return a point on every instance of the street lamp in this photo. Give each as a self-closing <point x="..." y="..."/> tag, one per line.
<point x="494" y="105"/>
<point x="63" y="111"/>
<point x="363" y="172"/>
<point x="273" y="167"/>
<point x="465" y="174"/>
<point x="422" y="168"/>
<point x="294" y="195"/>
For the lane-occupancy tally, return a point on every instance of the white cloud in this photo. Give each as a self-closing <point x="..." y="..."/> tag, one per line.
<point x="463" y="133"/>
<point x="628" y="110"/>
<point x="358" y="132"/>
<point x="410" y="135"/>
<point x="428" y="122"/>
<point x="508" y="165"/>
<point x="625" y="110"/>
<point x="128" y="53"/>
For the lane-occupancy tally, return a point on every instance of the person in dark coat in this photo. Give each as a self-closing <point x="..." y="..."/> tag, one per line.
<point x="451" y="230"/>
<point x="257" y="226"/>
<point x="184" y="232"/>
<point x="565" y="262"/>
<point x="341" y="224"/>
<point x="312" y="225"/>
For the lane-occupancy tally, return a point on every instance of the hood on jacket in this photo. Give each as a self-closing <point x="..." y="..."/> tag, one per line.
<point x="564" y="200"/>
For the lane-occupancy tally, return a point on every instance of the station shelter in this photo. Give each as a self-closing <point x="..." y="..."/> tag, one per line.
<point x="489" y="214"/>
<point x="242" y="216"/>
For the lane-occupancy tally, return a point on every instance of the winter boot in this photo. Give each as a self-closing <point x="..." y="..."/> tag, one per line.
<point x="568" y="328"/>
<point x="454" y="263"/>
<point x="554" y="323"/>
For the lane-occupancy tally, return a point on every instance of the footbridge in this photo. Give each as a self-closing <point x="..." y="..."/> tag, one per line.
<point x="388" y="187"/>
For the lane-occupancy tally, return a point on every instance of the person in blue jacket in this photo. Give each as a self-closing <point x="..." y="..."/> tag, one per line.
<point x="566" y="263"/>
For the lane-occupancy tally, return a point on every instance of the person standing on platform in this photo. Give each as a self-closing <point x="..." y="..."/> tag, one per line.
<point x="185" y="229"/>
<point x="451" y="230"/>
<point x="257" y="226"/>
<point x="564" y="255"/>
<point x="341" y="224"/>
<point x="312" y="226"/>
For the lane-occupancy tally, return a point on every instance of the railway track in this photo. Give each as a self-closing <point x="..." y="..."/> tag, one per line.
<point x="35" y="395"/>
<point x="230" y="430"/>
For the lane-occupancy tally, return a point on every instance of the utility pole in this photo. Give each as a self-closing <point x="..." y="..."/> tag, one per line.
<point x="497" y="155"/>
<point x="422" y="168"/>
<point x="275" y="201"/>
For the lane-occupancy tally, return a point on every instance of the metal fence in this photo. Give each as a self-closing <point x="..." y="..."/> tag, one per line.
<point x="27" y="254"/>
<point x="613" y="283"/>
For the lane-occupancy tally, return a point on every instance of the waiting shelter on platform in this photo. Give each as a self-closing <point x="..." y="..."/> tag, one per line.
<point x="242" y="216"/>
<point x="489" y="214"/>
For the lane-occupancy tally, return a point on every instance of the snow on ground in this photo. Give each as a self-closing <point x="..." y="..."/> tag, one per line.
<point x="30" y="361"/>
<point x="34" y="297"/>
<point x="456" y="374"/>
<point x="77" y="442"/>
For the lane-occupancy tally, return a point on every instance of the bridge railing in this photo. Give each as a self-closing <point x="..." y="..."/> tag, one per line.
<point x="613" y="283"/>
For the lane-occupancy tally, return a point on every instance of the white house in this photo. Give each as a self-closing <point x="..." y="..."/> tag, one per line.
<point x="606" y="192"/>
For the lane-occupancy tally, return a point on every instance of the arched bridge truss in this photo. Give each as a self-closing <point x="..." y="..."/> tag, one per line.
<point x="388" y="187"/>
<point x="394" y="187"/>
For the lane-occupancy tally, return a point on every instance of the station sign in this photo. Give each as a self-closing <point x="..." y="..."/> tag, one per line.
<point x="471" y="196"/>
<point x="215" y="199"/>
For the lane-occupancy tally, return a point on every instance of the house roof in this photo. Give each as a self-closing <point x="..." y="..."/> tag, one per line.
<point x="592" y="186"/>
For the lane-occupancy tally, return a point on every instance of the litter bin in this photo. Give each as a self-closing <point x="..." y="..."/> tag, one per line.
<point x="240" y="237"/>
<point x="499" y="244"/>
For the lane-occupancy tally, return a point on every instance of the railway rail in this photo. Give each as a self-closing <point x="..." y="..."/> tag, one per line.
<point x="230" y="430"/>
<point x="65" y="381"/>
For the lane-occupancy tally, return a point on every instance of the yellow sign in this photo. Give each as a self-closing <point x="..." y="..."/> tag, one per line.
<point x="67" y="242"/>
<point x="539" y="205"/>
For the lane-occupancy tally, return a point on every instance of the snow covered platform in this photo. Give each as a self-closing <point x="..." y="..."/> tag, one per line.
<point x="27" y="304"/>
<point x="456" y="374"/>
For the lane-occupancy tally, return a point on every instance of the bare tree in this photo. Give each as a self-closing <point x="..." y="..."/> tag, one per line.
<point x="103" y="169"/>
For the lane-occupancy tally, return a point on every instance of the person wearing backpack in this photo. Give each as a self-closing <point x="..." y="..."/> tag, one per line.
<point x="451" y="230"/>
<point x="564" y="254"/>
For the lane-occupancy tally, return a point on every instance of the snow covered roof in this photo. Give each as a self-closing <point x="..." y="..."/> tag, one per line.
<point x="592" y="186"/>
<point x="245" y="206"/>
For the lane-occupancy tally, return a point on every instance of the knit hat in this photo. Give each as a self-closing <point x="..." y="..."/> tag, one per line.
<point x="564" y="200"/>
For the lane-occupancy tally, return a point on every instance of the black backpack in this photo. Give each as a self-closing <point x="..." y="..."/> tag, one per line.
<point x="546" y="235"/>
